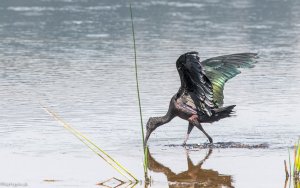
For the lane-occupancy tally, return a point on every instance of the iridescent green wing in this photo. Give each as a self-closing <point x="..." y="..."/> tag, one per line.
<point x="222" y="68"/>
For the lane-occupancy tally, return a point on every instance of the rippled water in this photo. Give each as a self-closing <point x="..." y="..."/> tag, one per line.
<point x="76" y="56"/>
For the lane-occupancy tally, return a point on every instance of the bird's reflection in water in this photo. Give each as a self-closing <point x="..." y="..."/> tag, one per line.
<point x="194" y="176"/>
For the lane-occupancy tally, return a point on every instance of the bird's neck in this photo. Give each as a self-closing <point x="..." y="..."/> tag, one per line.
<point x="164" y="119"/>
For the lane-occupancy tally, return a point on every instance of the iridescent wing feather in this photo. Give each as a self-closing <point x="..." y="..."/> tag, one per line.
<point x="222" y="68"/>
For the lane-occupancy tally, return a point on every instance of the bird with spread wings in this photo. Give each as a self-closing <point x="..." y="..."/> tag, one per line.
<point x="200" y="96"/>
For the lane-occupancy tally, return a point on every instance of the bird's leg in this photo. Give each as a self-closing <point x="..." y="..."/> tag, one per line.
<point x="190" y="128"/>
<point x="195" y="121"/>
<point x="206" y="157"/>
<point x="199" y="126"/>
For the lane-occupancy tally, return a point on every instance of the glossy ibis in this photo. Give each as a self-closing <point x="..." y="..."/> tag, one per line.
<point x="200" y="96"/>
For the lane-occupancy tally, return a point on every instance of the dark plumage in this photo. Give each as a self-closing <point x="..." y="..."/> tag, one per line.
<point x="200" y="97"/>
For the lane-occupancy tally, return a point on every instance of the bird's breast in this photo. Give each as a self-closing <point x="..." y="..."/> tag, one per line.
<point x="184" y="109"/>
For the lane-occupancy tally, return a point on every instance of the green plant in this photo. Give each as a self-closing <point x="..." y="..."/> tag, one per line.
<point x="96" y="149"/>
<point x="296" y="171"/>
<point x="294" y="167"/>
<point x="145" y="163"/>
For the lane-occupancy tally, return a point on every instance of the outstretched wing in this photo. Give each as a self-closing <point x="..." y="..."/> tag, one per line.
<point x="194" y="82"/>
<point x="222" y="68"/>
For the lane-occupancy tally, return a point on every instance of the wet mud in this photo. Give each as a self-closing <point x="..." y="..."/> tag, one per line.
<point x="222" y="145"/>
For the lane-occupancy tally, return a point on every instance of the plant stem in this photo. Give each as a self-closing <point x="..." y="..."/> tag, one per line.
<point x="136" y="75"/>
<point x="138" y="93"/>
<point x="290" y="165"/>
<point x="286" y="170"/>
<point x="112" y="162"/>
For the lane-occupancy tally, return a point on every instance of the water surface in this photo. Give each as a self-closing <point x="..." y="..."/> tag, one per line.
<point x="76" y="56"/>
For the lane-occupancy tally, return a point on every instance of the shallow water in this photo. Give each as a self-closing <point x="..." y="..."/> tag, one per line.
<point x="76" y="56"/>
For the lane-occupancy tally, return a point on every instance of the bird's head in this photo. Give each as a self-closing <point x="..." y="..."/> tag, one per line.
<point x="150" y="127"/>
<point x="187" y="57"/>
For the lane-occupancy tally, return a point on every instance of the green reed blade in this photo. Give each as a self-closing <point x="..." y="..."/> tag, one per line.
<point x="112" y="162"/>
<point x="138" y="92"/>
<point x="136" y="75"/>
<point x="297" y="159"/>
<point x="290" y="164"/>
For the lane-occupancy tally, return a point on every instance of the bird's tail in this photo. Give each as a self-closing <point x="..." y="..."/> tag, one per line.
<point x="220" y="113"/>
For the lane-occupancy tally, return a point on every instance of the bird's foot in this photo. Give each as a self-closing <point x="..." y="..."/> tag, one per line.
<point x="210" y="144"/>
<point x="210" y="140"/>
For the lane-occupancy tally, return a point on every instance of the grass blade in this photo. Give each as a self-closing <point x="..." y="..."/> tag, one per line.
<point x="112" y="162"/>
<point x="297" y="159"/>
<point x="136" y="76"/>
<point x="290" y="165"/>
<point x="138" y="94"/>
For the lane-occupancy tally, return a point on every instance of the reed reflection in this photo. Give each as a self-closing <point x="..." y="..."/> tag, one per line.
<point x="194" y="176"/>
